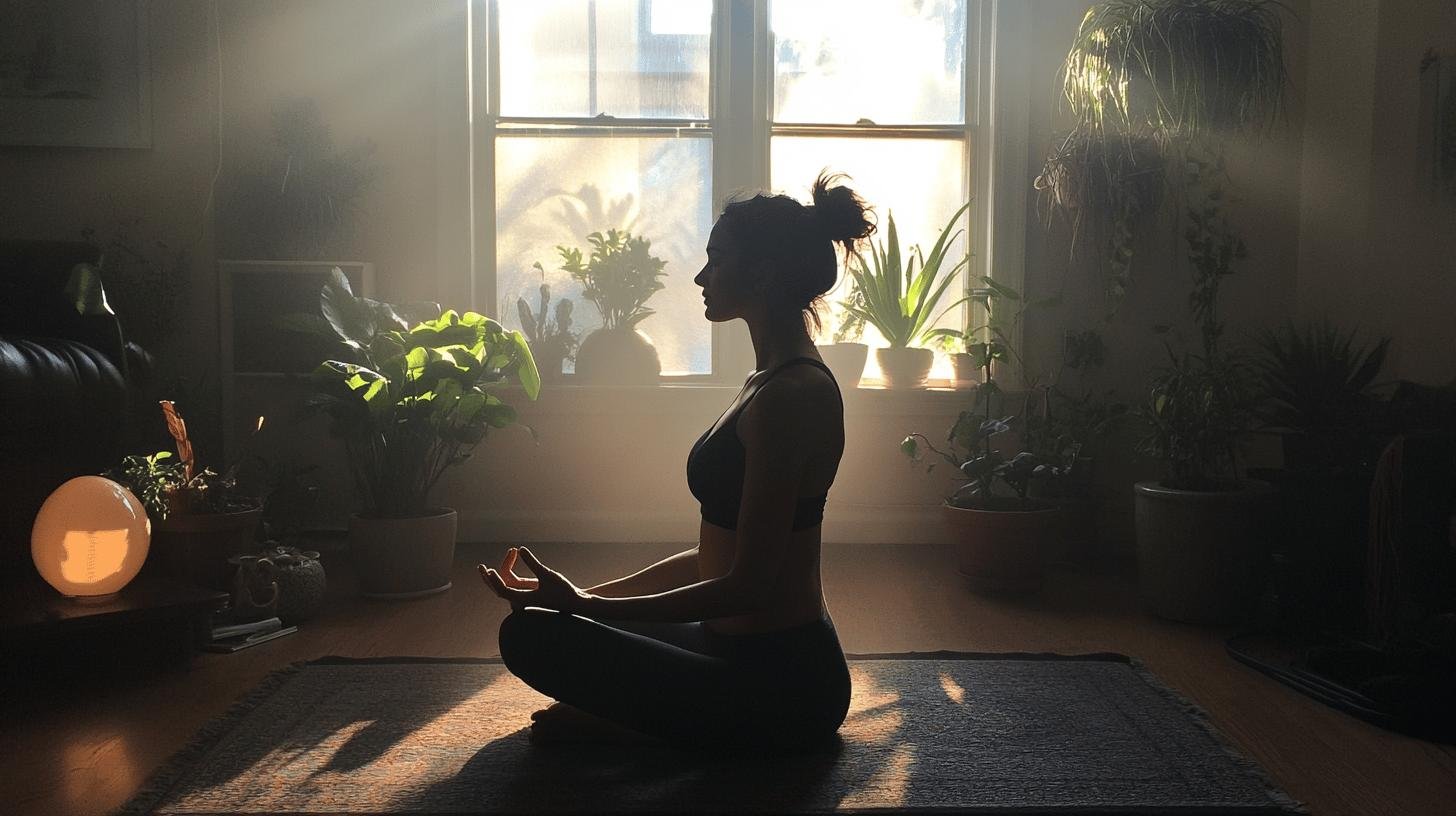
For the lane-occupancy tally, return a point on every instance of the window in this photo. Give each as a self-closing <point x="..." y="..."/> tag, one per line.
<point x="645" y="114"/>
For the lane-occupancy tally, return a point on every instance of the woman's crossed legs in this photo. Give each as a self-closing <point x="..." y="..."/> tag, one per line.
<point x="673" y="681"/>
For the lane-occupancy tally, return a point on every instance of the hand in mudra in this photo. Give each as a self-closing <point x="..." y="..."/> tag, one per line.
<point x="549" y="589"/>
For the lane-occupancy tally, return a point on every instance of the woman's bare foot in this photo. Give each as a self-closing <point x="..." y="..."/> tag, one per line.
<point x="562" y="722"/>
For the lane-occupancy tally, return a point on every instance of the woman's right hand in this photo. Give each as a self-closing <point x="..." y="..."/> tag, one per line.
<point x="508" y="575"/>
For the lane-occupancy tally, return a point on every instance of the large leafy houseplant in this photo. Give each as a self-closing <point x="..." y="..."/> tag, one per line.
<point x="1201" y="404"/>
<point x="416" y="399"/>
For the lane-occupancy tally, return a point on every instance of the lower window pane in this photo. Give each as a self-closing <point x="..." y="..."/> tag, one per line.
<point x="555" y="190"/>
<point x="923" y="181"/>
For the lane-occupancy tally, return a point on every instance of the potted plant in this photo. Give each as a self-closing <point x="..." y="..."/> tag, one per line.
<point x="1203" y="528"/>
<point x="1141" y="80"/>
<point x="1317" y="386"/>
<point x="552" y="341"/>
<point x="415" y="403"/>
<point x="1001" y="537"/>
<point x="199" y="517"/>
<point x="900" y="292"/>
<point x="619" y="276"/>
<point x="989" y="345"/>
<point x="846" y="356"/>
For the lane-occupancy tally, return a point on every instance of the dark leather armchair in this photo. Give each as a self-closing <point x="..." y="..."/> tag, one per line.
<point x="63" y="387"/>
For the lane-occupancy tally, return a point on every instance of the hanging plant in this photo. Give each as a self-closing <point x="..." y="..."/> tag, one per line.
<point x="1115" y="181"/>
<point x="1176" y="68"/>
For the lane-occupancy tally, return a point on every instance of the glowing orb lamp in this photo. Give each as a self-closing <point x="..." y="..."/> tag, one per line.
<point x="90" y="537"/>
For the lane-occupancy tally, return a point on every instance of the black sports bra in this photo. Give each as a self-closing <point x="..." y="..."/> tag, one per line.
<point x="715" y="469"/>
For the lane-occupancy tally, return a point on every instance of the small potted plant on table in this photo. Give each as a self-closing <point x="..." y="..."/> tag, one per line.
<point x="199" y="517"/>
<point x="416" y="403"/>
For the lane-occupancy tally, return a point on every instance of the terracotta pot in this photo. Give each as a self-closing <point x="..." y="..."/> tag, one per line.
<point x="195" y="547"/>
<point x="1202" y="556"/>
<point x="549" y="356"/>
<point x="966" y="370"/>
<point x="905" y="367"/>
<point x="618" y="357"/>
<point x="846" y="361"/>
<point x="399" y="558"/>
<point x="1002" y="552"/>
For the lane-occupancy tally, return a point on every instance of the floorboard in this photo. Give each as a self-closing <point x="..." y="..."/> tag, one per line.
<point x="86" y="751"/>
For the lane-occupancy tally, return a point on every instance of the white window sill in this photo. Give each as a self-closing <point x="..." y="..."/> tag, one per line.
<point x="871" y="398"/>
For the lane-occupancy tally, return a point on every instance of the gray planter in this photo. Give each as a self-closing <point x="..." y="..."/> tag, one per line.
<point x="403" y="558"/>
<point x="1202" y="556"/>
<point x="617" y="357"/>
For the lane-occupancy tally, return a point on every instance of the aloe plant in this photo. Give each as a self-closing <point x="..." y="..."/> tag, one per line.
<point x="899" y="290"/>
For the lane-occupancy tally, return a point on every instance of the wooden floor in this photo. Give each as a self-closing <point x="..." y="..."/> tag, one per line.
<point x="88" y="755"/>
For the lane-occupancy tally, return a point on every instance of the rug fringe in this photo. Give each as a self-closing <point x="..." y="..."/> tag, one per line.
<point x="161" y="782"/>
<point x="1240" y="759"/>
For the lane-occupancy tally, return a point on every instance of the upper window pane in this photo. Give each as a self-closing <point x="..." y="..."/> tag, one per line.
<point x="553" y="191"/>
<point x="624" y="58"/>
<point x="894" y="62"/>
<point x="921" y="181"/>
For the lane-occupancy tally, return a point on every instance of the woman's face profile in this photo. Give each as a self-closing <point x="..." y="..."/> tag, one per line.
<point x="728" y="290"/>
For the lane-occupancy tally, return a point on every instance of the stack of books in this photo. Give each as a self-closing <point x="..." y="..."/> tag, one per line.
<point x="235" y="636"/>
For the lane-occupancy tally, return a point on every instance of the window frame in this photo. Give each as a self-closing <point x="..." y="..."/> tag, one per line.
<point x="740" y="127"/>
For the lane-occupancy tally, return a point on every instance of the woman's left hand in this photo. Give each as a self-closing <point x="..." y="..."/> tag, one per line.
<point x="551" y="589"/>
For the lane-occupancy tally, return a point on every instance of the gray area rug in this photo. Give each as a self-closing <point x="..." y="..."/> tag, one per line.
<point x="927" y="731"/>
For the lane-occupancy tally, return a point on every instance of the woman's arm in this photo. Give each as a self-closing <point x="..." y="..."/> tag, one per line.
<point x="669" y="573"/>
<point x="721" y="597"/>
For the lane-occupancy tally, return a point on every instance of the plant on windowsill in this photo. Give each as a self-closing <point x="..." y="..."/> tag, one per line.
<point x="414" y="402"/>
<point x="552" y="341"/>
<point x="200" y="518"/>
<point x="846" y="355"/>
<point x="619" y="276"/>
<point x="991" y="343"/>
<point x="899" y="298"/>
<point x="1203" y="529"/>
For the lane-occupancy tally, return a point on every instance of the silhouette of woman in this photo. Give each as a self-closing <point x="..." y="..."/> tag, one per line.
<point x="728" y="645"/>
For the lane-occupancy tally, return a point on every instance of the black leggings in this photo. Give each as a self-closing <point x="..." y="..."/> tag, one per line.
<point x="683" y="682"/>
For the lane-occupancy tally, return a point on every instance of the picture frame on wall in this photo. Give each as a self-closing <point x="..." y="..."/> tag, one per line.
<point x="75" y="73"/>
<point x="1437" y="127"/>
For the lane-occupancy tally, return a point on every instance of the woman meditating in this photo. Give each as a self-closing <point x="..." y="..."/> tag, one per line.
<point x="729" y="644"/>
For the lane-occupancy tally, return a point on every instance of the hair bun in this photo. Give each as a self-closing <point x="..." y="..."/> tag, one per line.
<point x="839" y="211"/>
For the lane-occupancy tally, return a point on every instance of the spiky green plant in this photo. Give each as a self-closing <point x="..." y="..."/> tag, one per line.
<point x="900" y="290"/>
<point x="1316" y="378"/>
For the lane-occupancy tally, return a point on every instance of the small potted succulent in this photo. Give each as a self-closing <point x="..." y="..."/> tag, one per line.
<point x="619" y="275"/>
<point x="551" y="340"/>
<point x="199" y="517"/>
<point x="414" y="402"/>
<point x="900" y="292"/>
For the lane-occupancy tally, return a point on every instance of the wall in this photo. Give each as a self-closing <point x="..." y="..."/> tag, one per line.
<point x="156" y="194"/>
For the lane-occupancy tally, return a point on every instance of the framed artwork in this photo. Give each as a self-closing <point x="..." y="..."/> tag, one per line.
<point x="75" y="73"/>
<point x="1438" y="120"/>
